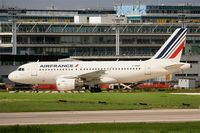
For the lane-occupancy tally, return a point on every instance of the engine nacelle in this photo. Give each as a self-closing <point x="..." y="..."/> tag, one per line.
<point x="64" y="84"/>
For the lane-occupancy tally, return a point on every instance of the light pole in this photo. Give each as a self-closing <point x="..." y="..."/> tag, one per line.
<point x="117" y="21"/>
<point x="117" y="40"/>
<point x="182" y="20"/>
<point x="12" y="14"/>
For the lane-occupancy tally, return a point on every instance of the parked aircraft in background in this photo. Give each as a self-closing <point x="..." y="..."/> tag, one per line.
<point x="69" y="75"/>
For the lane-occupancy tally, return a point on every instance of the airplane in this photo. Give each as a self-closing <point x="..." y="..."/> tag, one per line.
<point x="69" y="75"/>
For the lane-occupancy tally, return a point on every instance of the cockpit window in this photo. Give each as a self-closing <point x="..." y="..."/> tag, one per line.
<point x="20" y="69"/>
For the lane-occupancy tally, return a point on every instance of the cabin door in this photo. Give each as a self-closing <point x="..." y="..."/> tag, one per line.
<point x="148" y="70"/>
<point x="34" y="70"/>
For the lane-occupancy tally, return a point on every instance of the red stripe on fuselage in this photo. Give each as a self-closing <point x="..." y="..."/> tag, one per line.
<point x="178" y="50"/>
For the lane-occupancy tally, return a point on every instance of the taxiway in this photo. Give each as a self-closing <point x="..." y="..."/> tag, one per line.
<point x="75" y="117"/>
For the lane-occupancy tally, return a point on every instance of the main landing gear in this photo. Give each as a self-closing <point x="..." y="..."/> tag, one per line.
<point x="95" y="88"/>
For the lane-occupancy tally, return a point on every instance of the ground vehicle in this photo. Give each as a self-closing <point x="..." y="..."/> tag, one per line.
<point x="51" y="87"/>
<point x="3" y="86"/>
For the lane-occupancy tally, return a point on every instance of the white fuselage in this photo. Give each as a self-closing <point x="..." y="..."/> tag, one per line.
<point x="68" y="75"/>
<point x="114" y="71"/>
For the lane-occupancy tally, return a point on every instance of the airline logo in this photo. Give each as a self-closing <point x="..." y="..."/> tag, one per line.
<point x="76" y="65"/>
<point x="58" y="65"/>
<point x="174" y="46"/>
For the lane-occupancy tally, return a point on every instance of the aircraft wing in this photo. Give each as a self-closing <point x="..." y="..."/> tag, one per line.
<point x="173" y="66"/>
<point x="91" y="76"/>
<point x="87" y="77"/>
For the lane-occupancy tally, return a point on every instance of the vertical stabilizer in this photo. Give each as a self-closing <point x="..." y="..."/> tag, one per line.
<point x="173" y="47"/>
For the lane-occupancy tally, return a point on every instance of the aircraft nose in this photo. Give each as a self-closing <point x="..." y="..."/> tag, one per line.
<point x="12" y="76"/>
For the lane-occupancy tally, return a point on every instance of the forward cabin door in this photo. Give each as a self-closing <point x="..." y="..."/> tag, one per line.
<point x="34" y="70"/>
<point x="147" y="70"/>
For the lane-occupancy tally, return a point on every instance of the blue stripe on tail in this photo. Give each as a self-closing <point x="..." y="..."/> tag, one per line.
<point x="174" y="44"/>
<point x="170" y="43"/>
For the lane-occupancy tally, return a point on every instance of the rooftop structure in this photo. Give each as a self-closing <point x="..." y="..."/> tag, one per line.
<point x="160" y="13"/>
<point x="31" y="15"/>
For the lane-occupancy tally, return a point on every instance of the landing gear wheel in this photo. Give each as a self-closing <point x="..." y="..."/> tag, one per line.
<point x="95" y="88"/>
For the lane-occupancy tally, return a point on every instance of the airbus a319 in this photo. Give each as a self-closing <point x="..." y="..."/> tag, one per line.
<point x="69" y="75"/>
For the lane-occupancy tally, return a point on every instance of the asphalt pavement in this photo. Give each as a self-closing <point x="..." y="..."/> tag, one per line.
<point x="76" y="117"/>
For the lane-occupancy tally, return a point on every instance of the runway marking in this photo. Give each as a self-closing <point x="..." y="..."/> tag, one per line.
<point x="76" y="117"/>
<point x="194" y="94"/>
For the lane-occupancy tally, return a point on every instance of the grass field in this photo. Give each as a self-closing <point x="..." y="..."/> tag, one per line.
<point x="189" y="127"/>
<point x="33" y="102"/>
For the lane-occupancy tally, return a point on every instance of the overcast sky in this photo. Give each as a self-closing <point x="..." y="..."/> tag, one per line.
<point x="83" y="4"/>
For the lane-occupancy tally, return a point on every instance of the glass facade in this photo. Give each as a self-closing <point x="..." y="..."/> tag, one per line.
<point x="93" y="40"/>
<point x="53" y="32"/>
<point x="170" y="9"/>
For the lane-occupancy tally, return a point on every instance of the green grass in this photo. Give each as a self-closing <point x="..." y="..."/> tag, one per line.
<point x="32" y="102"/>
<point x="187" y="127"/>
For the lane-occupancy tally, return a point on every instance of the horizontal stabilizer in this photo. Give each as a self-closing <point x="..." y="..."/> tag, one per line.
<point x="173" y="67"/>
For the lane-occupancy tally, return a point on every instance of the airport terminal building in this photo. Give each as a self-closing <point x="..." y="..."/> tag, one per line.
<point x="91" y="34"/>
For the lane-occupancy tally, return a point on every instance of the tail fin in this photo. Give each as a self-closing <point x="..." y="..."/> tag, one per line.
<point x="173" y="47"/>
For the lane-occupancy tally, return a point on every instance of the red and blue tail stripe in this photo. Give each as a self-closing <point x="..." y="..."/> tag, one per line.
<point x="173" y="46"/>
<point x="180" y="47"/>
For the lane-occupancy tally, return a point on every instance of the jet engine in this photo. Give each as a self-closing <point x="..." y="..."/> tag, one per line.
<point x="64" y="84"/>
